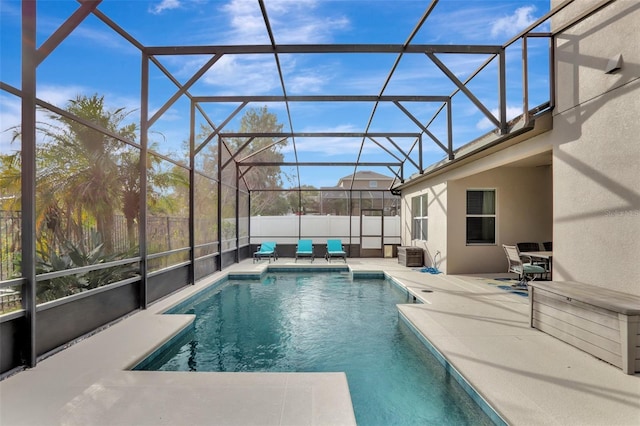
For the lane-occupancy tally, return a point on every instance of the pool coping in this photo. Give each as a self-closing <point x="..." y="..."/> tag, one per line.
<point x="179" y="306"/>
<point x="356" y="275"/>
<point x="481" y="330"/>
<point x="486" y="408"/>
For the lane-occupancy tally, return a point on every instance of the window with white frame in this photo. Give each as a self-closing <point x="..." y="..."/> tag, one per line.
<point x="481" y="216"/>
<point x="420" y="217"/>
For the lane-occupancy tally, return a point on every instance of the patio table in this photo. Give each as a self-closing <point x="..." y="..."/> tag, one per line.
<point x="544" y="255"/>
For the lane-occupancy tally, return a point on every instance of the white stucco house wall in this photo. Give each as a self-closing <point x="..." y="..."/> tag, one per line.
<point x="573" y="178"/>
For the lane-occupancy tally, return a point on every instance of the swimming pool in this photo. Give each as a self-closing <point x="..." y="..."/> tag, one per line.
<point x="323" y="322"/>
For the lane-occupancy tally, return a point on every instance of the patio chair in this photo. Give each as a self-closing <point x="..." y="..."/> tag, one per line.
<point x="335" y="249"/>
<point x="266" y="249"/>
<point x="526" y="270"/>
<point x="305" y="249"/>
<point x="525" y="247"/>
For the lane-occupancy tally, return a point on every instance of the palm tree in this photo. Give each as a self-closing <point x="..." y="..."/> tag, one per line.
<point x="10" y="180"/>
<point x="129" y="174"/>
<point x="85" y="176"/>
<point x="78" y="171"/>
<point x="10" y="242"/>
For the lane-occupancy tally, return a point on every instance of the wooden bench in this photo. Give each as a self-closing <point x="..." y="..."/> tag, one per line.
<point x="597" y="320"/>
<point x="410" y="256"/>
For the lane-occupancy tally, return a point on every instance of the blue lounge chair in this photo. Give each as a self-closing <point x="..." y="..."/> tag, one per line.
<point x="267" y="249"/>
<point x="305" y="249"/>
<point x="335" y="249"/>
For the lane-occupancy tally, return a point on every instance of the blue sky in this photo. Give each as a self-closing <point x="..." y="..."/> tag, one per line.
<point x="95" y="59"/>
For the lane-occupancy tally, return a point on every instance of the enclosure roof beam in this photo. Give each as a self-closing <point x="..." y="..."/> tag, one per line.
<point x="464" y="89"/>
<point x="406" y="155"/>
<point x="542" y="19"/>
<point x="320" y="134"/>
<point x="405" y="46"/>
<point x="396" y="174"/>
<point x="324" y="189"/>
<point x="263" y="9"/>
<point x="65" y="29"/>
<point x="238" y="151"/>
<point x="386" y="150"/>
<point x="219" y="128"/>
<point x="253" y="154"/>
<point x="424" y="128"/>
<point x="322" y="48"/>
<point x="317" y="163"/>
<point x="182" y="90"/>
<point x="115" y="27"/>
<point x="323" y="98"/>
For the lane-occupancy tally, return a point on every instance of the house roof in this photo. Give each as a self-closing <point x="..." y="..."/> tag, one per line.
<point x="490" y="143"/>
<point x="366" y="175"/>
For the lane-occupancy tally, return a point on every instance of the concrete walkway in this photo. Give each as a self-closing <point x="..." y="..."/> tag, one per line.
<point x="529" y="378"/>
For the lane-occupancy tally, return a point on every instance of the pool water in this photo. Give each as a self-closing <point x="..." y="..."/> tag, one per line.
<point x="324" y="322"/>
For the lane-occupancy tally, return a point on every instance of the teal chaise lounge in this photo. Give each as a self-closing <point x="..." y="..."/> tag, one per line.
<point x="266" y="249"/>
<point x="335" y="249"/>
<point x="305" y="249"/>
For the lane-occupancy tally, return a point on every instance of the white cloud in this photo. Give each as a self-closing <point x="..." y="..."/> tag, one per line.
<point x="305" y="81"/>
<point x="60" y="95"/>
<point x="309" y="29"/>
<point x="249" y="74"/>
<point x="291" y="22"/>
<point x="330" y="146"/>
<point x="171" y="115"/>
<point x="165" y="5"/>
<point x="11" y="8"/>
<point x="104" y="38"/>
<point x="245" y="20"/>
<point x="511" y="25"/>
<point x="463" y="24"/>
<point x="486" y="124"/>
<point x="10" y="111"/>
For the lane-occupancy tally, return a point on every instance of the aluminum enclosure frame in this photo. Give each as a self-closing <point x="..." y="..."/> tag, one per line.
<point x="26" y="320"/>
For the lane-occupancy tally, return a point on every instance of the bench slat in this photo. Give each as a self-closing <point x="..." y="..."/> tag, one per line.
<point x="558" y="314"/>
<point x="585" y="311"/>
<point x="612" y="300"/>
<point x="600" y="321"/>
<point x="584" y="345"/>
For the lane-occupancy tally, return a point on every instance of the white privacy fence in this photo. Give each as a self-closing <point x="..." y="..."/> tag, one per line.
<point x="289" y="229"/>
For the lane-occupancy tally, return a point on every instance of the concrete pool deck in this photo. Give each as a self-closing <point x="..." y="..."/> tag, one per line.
<point x="528" y="377"/>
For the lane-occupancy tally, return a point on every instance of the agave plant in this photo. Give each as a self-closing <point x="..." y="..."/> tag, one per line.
<point x="76" y="256"/>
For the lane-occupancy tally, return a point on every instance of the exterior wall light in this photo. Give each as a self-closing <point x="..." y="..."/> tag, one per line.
<point x="614" y="65"/>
